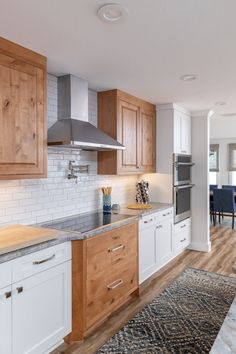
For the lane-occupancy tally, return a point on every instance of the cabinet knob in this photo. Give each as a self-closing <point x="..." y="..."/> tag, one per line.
<point x="19" y="289"/>
<point x="7" y="294"/>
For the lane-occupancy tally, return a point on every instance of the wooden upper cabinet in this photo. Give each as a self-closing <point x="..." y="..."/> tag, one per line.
<point x="23" y="124"/>
<point x="132" y="122"/>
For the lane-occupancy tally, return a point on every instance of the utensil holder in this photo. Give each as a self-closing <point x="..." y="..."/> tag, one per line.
<point x="106" y="203"/>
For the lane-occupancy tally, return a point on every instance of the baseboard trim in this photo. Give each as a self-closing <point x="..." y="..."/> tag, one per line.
<point x="200" y="246"/>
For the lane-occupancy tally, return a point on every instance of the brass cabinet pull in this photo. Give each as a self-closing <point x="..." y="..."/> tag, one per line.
<point x="20" y="289"/>
<point x="114" y="249"/>
<point x="7" y="294"/>
<point x="44" y="260"/>
<point x="115" y="285"/>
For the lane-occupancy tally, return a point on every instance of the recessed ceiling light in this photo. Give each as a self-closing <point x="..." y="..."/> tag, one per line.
<point x="220" y="103"/>
<point x="112" y="13"/>
<point x="188" y="77"/>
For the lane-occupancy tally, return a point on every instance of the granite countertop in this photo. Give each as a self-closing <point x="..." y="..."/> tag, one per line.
<point x="64" y="236"/>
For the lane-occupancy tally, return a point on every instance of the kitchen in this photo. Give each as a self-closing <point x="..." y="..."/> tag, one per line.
<point x="42" y="186"/>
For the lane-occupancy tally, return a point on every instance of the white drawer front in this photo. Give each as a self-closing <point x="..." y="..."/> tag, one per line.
<point x="148" y="220"/>
<point x="165" y="214"/>
<point x="5" y="274"/>
<point x="36" y="262"/>
<point x="182" y="225"/>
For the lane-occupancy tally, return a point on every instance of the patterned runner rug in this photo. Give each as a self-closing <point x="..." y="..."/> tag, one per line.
<point x="185" y="318"/>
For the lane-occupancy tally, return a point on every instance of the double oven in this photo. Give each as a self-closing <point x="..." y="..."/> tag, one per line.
<point x="182" y="166"/>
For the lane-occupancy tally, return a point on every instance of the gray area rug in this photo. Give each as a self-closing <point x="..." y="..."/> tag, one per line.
<point x="185" y="318"/>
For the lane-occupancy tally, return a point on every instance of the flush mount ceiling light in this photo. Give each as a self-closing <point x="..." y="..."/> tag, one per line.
<point x="220" y="103"/>
<point x="112" y="13"/>
<point x="188" y="77"/>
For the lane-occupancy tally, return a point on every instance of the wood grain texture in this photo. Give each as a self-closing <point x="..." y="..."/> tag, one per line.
<point x="98" y="265"/>
<point x="23" y="134"/>
<point x="220" y="259"/>
<point x="15" y="237"/>
<point x="131" y="121"/>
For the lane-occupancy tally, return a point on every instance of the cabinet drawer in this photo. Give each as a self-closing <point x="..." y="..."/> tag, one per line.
<point x="5" y="274"/>
<point x="36" y="262"/>
<point x="148" y="220"/>
<point x="182" y="240"/>
<point x="182" y="225"/>
<point x="111" y="248"/>
<point x="165" y="214"/>
<point x="105" y="293"/>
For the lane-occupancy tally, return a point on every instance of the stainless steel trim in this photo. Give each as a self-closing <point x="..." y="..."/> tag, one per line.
<point x="44" y="260"/>
<point x="182" y="216"/>
<point x="184" y="163"/>
<point x="116" y="284"/>
<point x="114" y="249"/>
<point x="185" y="186"/>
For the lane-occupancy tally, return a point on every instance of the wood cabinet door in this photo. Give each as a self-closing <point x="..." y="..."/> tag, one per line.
<point x="148" y="141"/>
<point x="41" y="308"/>
<point x="129" y="136"/>
<point x="22" y="119"/>
<point x="5" y="320"/>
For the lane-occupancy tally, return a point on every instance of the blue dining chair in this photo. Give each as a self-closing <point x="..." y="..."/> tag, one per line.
<point x="224" y="203"/>
<point x="213" y="186"/>
<point x="229" y="186"/>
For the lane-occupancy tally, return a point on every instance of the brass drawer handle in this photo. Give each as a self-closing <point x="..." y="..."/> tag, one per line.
<point x="44" y="260"/>
<point x="114" y="249"/>
<point x="115" y="285"/>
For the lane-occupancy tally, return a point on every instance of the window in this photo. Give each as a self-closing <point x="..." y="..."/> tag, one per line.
<point x="214" y="158"/>
<point x="213" y="178"/>
<point x="232" y="164"/>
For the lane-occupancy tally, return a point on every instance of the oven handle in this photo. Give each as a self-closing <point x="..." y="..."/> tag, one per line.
<point x="185" y="186"/>
<point x="184" y="163"/>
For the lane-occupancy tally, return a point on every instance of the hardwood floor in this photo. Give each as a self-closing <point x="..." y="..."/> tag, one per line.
<point x="220" y="260"/>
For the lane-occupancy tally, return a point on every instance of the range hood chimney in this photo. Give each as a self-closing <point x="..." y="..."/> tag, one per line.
<point x="72" y="130"/>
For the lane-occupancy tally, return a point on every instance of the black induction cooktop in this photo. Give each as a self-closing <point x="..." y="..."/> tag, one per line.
<point x="86" y="222"/>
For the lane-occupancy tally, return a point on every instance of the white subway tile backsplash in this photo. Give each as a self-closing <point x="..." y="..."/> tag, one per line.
<point x="34" y="201"/>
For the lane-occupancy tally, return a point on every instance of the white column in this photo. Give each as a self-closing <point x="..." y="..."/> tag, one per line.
<point x="200" y="192"/>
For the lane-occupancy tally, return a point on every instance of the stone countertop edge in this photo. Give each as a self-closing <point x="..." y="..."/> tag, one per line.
<point x="64" y="236"/>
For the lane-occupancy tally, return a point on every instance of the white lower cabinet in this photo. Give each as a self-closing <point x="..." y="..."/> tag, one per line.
<point x="155" y="242"/>
<point x="182" y="235"/>
<point x="164" y="242"/>
<point x="5" y="321"/>
<point x="36" y="308"/>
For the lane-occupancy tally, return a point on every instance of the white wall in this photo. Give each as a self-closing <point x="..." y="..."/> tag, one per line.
<point x="38" y="200"/>
<point x="223" y="132"/>
<point x="222" y="127"/>
<point x="200" y="192"/>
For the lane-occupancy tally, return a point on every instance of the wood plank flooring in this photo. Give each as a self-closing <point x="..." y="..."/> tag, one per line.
<point x="220" y="260"/>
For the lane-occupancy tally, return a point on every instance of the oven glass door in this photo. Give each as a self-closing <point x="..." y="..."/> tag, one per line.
<point x="182" y="201"/>
<point x="182" y="174"/>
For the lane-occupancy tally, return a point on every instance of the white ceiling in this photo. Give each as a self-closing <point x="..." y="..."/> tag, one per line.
<point x="145" y="55"/>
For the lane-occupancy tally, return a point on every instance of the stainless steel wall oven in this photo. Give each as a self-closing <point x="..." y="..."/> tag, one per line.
<point x="182" y="186"/>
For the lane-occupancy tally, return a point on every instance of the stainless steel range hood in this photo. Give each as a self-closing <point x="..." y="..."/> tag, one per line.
<point x="72" y="130"/>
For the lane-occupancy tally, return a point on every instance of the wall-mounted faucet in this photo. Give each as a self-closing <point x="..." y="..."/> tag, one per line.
<point x="75" y="169"/>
